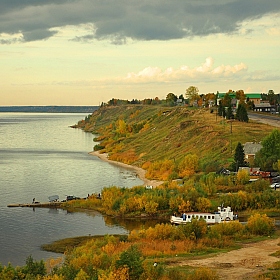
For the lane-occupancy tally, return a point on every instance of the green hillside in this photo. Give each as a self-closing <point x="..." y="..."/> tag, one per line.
<point x="137" y="134"/>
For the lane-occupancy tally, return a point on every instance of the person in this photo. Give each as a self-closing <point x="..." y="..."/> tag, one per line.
<point x="184" y="217"/>
<point x="33" y="200"/>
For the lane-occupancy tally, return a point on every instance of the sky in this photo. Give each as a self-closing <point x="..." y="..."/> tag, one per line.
<point x="84" y="52"/>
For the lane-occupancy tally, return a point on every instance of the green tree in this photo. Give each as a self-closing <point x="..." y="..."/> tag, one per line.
<point x="239" y="157"/>
<point x="241" y="113"/>
<point x="171" y="98"/>
<point x="34" y="268"/>
<point x="131" y="258"/>
<point x="229" y="113"/>
<point x="272" y="98"/>
<point x="270" y="152"/>
<point x="276" y="165"/>
<point x="221" y="110"/>
<point x="196" y="229"/>
<point x="182" y="97"/>
<point x="226" y="101"/>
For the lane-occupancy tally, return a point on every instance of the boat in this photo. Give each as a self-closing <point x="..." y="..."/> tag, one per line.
<point x="53" y="198"/>
<point x="224" y="214"/>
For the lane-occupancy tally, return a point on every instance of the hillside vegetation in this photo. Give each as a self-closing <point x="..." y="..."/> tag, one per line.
<point x="170" y="143"/>
<point x="143" y="135"/>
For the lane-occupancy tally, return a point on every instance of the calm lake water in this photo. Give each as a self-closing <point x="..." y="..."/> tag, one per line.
<point x="40" y="155"/>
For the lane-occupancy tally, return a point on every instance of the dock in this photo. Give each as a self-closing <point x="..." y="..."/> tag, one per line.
<point x="37" y="204"/>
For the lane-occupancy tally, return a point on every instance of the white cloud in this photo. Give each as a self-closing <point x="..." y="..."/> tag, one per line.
<point x="206" y="70"/>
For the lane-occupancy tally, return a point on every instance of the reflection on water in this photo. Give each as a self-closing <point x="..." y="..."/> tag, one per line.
<point x="131" y="224"/>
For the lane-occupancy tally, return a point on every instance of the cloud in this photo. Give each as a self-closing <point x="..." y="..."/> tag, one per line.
<point x="205" y="72"/>
<point x="139" y="20"/>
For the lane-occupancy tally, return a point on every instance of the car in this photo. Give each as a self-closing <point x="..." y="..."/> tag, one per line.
<point x="71" y="197"/>
<point x="275" y="185"/>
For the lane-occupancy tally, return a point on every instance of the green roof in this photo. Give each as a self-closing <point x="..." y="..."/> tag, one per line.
<point x="232" y="95"/>
<point x="253" y="95"/>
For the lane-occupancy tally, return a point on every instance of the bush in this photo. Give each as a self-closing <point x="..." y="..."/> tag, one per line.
<point x="194" y="230"/>
<point x="257" y="186"/>
<point x="228" y="229"/>
<point x="260" y="224"/>
<point x="98" y="147"/>
<point x="204" y="273"/>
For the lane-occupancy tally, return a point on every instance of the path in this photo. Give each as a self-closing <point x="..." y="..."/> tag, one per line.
<point x="240" y="264"/>
<point x="140" y="172"/>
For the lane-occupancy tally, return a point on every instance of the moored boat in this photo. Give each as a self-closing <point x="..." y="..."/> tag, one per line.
<point x="224" y="214"/>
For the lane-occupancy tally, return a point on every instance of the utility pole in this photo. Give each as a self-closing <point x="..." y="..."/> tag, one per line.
<point x="231" y="136"/>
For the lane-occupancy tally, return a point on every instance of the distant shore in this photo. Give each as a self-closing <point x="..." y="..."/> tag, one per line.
<point x="139" y="171"/>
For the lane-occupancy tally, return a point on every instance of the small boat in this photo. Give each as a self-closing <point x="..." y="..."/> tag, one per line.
<point x="53" y="198"/>
<point x="224" y="214"/>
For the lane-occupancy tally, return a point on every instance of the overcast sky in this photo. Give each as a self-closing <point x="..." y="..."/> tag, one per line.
<point x="84" y="52"/>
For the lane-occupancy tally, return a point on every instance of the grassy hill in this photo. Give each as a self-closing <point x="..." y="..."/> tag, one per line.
<point x="137" y="134"/>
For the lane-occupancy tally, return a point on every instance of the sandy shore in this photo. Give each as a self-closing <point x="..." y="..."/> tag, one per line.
<point x="140" y="172"/>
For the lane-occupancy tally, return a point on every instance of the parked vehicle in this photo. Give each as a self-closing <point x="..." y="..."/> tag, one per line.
<point x="275" y="185"/>
<point x="71" y="197"/>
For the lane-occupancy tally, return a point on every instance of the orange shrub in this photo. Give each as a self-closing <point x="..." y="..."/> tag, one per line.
<point x="160" y="170"/>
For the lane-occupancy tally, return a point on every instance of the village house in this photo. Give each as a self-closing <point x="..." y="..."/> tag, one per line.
<point x="264" y="106"/>
<point x="255" y="97"/>
<point x="250" y="150"/>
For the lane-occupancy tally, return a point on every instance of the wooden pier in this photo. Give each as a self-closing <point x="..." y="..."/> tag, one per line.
<point x="37" y="204"/>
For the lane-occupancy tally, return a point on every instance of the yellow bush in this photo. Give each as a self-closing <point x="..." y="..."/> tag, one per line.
<point x="203" y="204"/>
<point x="243" y="176"/>
<point x="188" y="165"/>
<point x="204" y="273"/>
<point x="185" y="206"/>
<point x="261" y="224"/>
<point x="160" y="169"/>
<point x="228" y="228"/>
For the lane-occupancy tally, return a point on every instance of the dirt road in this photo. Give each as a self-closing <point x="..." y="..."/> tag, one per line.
<point x="242" y="264"/>
<point x="270" y="120"/>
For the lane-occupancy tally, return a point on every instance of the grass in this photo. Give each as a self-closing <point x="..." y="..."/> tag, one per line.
<point x="67" y="244"/>
<point x="177" y="132"/>
<point x="63" y="245"/>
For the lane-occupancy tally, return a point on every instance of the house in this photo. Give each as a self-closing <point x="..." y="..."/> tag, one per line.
<point x="180" y="101"/>
<point x="223" y="171"/>
<point x="264" y="107"/>
<point x="250" y="150"/>
<point x="255" y="97"/>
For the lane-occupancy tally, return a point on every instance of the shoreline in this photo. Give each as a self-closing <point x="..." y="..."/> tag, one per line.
<point x="139" y="171"/>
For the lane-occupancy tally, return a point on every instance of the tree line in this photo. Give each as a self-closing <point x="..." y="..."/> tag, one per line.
<point x="193" y="98"/>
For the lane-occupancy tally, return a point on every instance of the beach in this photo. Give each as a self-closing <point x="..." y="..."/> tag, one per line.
<point x="141" y="173"/>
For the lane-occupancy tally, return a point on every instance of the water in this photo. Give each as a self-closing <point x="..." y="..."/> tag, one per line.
<point x="40" y="155"/>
